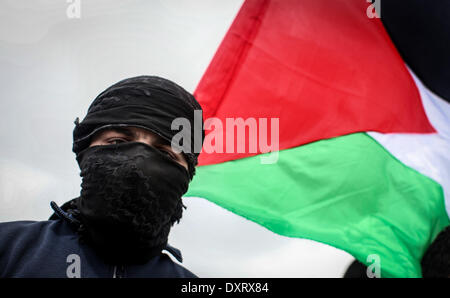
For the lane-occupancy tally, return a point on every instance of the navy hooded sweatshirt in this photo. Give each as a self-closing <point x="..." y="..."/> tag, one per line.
<point x="51" y="249"/>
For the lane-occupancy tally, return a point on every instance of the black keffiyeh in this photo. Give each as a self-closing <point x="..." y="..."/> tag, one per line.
<point x="131" y="192"/>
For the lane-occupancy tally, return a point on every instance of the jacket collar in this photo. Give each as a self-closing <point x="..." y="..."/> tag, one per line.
<point x="64" y="213"/>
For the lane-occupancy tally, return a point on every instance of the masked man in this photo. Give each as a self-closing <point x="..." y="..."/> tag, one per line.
<point x="133" y="177"/>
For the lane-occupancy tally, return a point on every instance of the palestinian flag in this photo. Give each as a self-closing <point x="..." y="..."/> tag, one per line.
<point x="362" y="145"/>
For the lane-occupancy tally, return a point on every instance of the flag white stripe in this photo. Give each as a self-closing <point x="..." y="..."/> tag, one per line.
<point x="429" y="154"/>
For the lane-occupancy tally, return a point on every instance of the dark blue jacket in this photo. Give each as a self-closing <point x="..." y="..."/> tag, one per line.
<point x="51" y="249"/>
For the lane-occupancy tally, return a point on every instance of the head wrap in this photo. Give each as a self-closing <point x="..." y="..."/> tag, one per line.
<point x="148" y="102"/>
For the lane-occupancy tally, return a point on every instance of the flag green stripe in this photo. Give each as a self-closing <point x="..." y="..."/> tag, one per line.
<point x="348" y="192"/>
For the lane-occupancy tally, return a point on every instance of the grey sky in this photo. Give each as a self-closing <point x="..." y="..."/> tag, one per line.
<point x="51" y="68"/>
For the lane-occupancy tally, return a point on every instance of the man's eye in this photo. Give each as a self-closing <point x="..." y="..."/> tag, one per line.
<point x="168" y="153"/>
<point x="116" y="141"/>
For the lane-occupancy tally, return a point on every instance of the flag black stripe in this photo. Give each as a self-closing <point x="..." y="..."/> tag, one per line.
<point x="420" y="29"/>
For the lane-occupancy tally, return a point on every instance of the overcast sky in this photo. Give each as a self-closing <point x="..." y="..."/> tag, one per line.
<point x="53" y="66"/>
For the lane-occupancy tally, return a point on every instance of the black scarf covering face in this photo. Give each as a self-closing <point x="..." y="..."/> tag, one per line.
<point x="130" y="198"/>
<point x="131" y="192"/>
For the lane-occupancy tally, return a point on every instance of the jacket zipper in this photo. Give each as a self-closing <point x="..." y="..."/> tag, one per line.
<point x="118" y="271"/>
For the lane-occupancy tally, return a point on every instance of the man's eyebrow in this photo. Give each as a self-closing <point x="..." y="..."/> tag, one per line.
<point x="122" y="130"/>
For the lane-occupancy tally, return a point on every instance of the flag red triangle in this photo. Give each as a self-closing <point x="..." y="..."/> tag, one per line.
<point x="323" y="68"/>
